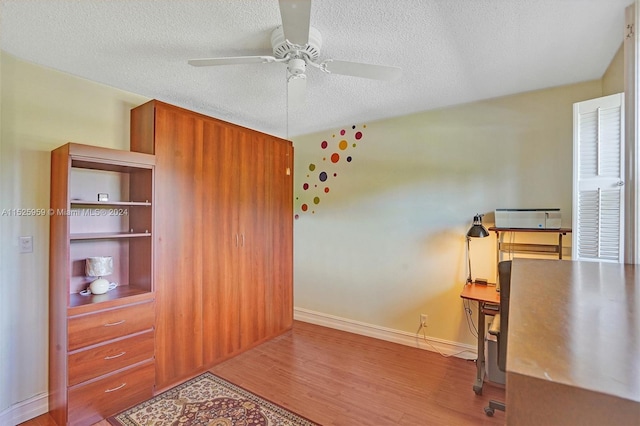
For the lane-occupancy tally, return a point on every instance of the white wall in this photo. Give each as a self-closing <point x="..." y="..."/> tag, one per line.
<point x="386" y="243"/>
<point x="41" y="109"/>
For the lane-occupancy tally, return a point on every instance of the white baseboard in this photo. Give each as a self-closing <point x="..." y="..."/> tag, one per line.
<point x="444" y="347"/>
<point x="25" y="410"/>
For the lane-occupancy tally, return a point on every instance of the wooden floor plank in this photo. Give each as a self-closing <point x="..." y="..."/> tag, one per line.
<point x="338" y="378"/>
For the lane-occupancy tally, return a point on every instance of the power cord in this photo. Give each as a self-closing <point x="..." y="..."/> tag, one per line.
<point x="424" y="337"/>
<point x="473" y="329"/>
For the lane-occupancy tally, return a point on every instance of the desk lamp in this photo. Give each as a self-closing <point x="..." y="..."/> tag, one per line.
<point x="99" y="267"/>
<point x="476" y="231"/>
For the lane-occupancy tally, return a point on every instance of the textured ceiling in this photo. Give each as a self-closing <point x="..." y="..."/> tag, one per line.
<point x="451" y="52"/>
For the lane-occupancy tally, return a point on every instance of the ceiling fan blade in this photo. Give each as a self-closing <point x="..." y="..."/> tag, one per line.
<point x="356" y="69"/>
<point x="233" y="60"/>
<point x="296" y="15"/>
<point x="296" y="90"/>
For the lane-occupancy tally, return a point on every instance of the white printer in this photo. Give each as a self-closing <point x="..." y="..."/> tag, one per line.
<point x="528" y="218"/>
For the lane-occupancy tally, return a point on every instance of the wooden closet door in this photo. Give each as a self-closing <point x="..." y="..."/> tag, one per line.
<point x="279" y="291"/>
<point x="178" y="259"/>
<point x="221" y="247"/>
<point x="256" y="258"/>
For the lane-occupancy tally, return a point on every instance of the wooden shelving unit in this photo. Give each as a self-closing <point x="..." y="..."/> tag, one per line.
<point x="86" y="329"/>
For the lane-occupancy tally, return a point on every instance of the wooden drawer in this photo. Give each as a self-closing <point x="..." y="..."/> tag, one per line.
<point x="89" y="403"/>
<point x="85" y="330"/>
<point x="111" y="356"/>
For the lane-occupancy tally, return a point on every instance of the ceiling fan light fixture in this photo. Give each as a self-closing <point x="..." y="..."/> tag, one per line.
<point x="297" y="66"/>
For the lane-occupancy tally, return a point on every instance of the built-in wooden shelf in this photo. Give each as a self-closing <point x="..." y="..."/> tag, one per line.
<point x="108" y="235"/>
<point x="109" y="203"/>
<point x="120" y="292"/>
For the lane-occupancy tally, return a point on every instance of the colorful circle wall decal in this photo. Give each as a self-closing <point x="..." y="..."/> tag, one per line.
<point x="331" y="163"/>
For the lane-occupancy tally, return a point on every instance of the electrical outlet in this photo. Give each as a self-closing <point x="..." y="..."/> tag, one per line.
<point x="26" y="244"/>
<point x="424" y="319"/>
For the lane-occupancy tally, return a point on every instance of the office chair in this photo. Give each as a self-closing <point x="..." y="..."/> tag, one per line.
<point x="500" y="326"/>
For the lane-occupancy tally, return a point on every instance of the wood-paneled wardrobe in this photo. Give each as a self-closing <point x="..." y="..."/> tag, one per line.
<point x="223" y="256"/>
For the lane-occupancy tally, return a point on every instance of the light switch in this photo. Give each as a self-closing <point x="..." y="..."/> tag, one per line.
<point x="26" y="244"/>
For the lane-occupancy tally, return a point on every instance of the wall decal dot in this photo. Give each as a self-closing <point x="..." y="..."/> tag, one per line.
<point x="349" y="159"/>
<point x="305" y="186"/>
<point x="335" y="174"/>
<point x="353" y="127"/>
<point x="335" y="157"/>
<point x="312" y="167"/>
<point x="358" y="135"/>
<point x="354" y="145"/>
<point x="297" y="216"/>
<point x="316" y="200"/>
<point x="322" y="176"/>
<point x="326" y="190"/>
<point x="324" y="145"/>
<point x="342" y="132"/>
<point x="304" y="207"/>
<point x="343" y="145"/>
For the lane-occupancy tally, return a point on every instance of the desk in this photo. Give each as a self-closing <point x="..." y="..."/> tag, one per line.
<point x="484" y="295"/>
<point x="529" y="247"/>
<point x="574" y="343"/>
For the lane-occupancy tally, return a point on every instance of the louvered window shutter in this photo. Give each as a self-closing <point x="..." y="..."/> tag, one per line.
<point x="598" y="170"/>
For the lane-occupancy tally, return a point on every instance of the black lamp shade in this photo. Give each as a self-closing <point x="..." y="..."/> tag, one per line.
<point x="477" y="230"/>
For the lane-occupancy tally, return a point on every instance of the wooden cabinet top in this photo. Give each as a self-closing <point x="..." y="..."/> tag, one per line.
<point x="100" y="158"/>
<point x="576" y="324"/>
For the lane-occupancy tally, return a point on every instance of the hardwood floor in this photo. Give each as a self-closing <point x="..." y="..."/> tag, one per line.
<point x="338" y="378"/>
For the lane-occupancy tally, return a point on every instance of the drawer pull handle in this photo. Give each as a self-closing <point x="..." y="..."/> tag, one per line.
<point x="114" y="356"/>
<point x="111" y="324"/>
<point x="115" y="389"/>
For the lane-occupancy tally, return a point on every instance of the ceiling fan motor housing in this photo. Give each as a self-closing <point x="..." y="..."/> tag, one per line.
<point x="282" y="48"/>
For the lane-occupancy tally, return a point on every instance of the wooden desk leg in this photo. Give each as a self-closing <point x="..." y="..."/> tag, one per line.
<point x="477" y="386"/>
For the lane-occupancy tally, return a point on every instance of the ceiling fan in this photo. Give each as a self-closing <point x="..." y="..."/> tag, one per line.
<point x="297" y="44"/>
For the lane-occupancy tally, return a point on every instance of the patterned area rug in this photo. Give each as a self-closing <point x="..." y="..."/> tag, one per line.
<point x="208" y="400"/>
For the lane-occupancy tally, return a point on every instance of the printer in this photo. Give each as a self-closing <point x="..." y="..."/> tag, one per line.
<point x="528" y="218"/>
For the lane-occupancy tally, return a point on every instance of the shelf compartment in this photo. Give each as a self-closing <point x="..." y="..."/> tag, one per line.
<point x="529" y="248"/>
<point x="120" y="292"/>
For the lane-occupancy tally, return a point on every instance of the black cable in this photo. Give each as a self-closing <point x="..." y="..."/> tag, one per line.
<point x="469" y="316"/>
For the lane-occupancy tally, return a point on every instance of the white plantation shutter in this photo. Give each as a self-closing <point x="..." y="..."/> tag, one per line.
<point x="598" y="170"/>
